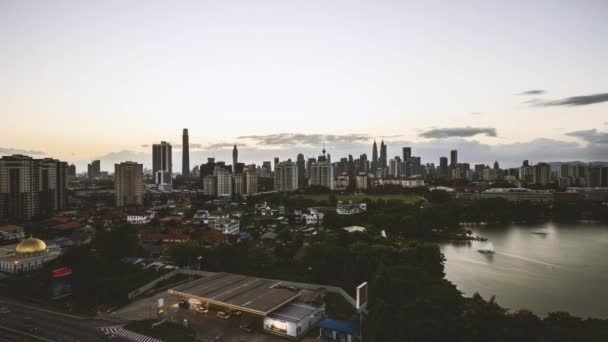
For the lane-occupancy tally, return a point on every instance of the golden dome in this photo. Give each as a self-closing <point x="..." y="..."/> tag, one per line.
<point x="30" y="246"/>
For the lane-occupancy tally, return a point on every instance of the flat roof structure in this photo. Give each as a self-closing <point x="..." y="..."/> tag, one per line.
<point x="238" y="292"/>
<point x="294" y="312"/>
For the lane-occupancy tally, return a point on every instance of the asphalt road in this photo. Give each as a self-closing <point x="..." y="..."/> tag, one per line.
<point x="25" y="322"/>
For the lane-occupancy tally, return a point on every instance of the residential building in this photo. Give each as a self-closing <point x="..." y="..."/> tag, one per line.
<point x="224" y="182"/>
<point x="128" y="184"/>
<point x="251" y="180"/>
<point x="94" y="169"/>
<point x="286" y="176"/>
<point x="162" y="165"/>
<point x="31" y="187"/>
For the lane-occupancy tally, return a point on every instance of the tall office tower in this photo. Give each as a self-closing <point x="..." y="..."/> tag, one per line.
<point x="162" y="165"/>
<point x="394" y="167"/>
<point x="541" y="174"/>
<point x="224" y="182"/>
<point x="453" y="158"/>
<point x="31" y="187"/>
<point x="71" y="170"/>
<point x="526" y="163"/>
<point x="52" y="185"/>
<point x="374" y="164"/>
<point x="308" y="163"/>
<point x="496" y="165"/>
<point x="251" y="180"/>
<point x="128" y="184"/>
<point x="383" y="156"/>
<point x="407" y="153"/>
<point x="94" y="169"/>
<point x="276" y="161"/>
<point x="286" y="176"/>
<point x="235" y="158"/>
<point x="301" y="163"/>
<point x="443" y="167"/>
<point x="363" y="163"/>
<point x="185" y="154"/>
<point x="350" y="167"/>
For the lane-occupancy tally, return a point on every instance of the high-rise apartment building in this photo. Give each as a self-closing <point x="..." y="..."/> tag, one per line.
<point x="286" y="176"/>
<point x="301" y="164"/>
<point x="443" y="167"/>
<point x="31" y="187"/>
<point x="185" y="153"/>
<point x="321" y="174"/>
<point x="541" y="174"/>
<point x="162" y="164"/>
<point x="94" y="169"/>
<point x="224" y="182"/>
<point x="251" y="180"/>
<point x="128" y="184"/>
<point x="407" y="153"/>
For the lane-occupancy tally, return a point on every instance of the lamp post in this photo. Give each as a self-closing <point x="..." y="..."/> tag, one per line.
<point x="200" y="261"/>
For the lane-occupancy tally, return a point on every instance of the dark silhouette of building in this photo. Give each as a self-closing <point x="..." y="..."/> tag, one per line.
<point x="301" y="165"/>
<point x="94" y="169"/>
<point x="235" y="157"/>
<point x="453" y="158"/>
<point x="185" y="154"/>
<point x="407" y="153"/>
<point x="374" y="157"/>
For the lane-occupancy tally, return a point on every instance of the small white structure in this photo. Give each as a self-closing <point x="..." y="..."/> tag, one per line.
<point x="226" y="225"/>
<point x="350" y="208"/>
<point x="140" y="218"/>
<point x="354" y="229"/>
<point x="294" y="319"/>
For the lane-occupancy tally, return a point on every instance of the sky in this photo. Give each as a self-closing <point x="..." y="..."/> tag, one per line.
<point x="497" y="80"/>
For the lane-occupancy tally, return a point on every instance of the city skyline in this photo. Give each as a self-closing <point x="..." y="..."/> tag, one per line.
<point x="495" y="81"/>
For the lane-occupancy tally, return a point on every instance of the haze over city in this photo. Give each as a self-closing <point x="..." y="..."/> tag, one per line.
<point x="106" y="80"/>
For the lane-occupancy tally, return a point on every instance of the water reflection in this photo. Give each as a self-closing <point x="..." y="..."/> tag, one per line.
<point x="543" y="268"/>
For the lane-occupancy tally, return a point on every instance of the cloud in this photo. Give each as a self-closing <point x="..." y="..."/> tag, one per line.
<point x="225" y="145"/>
<point x="145" y="145"/>
<point x="592" y="136"/>
<point x="293" y="139"/>
<point x="458" y="132"/>
<point x="11" y="150"/>
<point x="582" y="100"/>
<point x="477" y="113"/>
<point x="533" y="92"/>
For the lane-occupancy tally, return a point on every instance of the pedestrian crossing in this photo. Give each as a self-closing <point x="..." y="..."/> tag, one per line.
<point x="128" y="334"/>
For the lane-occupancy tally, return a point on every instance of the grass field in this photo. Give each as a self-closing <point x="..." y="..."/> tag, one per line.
<point x="410" y="199"/>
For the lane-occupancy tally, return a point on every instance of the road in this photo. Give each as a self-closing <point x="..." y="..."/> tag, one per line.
<point x="24" y="322"/>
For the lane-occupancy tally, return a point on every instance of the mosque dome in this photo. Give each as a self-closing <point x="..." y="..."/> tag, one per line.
<point x="30" y="246"/>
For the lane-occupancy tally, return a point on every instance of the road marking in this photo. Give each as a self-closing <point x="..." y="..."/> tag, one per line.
<point x="26" y="334"/>
<point x="10" y="302"/>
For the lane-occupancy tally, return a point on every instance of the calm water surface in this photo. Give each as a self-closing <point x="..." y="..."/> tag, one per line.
<point x="564" y="270"/>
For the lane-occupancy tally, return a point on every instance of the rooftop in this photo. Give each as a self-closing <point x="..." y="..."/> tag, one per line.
<point x="294" y="312"/>
<point x="254" y="295"/>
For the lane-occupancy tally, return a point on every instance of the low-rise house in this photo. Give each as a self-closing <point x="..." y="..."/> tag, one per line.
<point x="11" y="232"/>
<point x="350" y="208"/>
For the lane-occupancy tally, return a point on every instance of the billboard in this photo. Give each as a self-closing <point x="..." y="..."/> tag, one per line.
<point x="161" y="306"/>
<point x="61" y="283"/>
<point x="362" y="296"/>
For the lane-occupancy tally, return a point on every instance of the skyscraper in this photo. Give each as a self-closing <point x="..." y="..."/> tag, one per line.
<point x="301" y="164"/>
<point x="128" y="184"/>
<point x="235" y="158"/>
<point x="443" y="167"/>
<point x="276" y="161"/>
<point x="185" y="154"/>
<point x="162" y="165"/>
<point x="383" y="157"/>
<point x="286" y="176"/>
<point x="251" y="180"/>
<point x="374" y="157"/>
<point x="407" y="153"/>
<point x="453" y="158"/>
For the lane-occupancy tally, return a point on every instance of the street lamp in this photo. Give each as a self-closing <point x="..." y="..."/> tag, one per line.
<point x="200" y="261"/>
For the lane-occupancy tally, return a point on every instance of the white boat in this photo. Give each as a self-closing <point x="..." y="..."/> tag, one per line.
<point x="487" y="248"/>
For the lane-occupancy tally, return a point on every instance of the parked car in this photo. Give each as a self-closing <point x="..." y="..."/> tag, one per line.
<point x="222" y="315"/>
<point x="247" y="326"/>
<point x="202" y="310"/>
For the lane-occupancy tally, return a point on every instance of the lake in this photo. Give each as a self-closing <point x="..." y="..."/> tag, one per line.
<point x="563" y="267"/>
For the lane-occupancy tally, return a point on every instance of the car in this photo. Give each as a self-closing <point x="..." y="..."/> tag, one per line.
<point x="222" y="315"/>
<point x="184" y="304"/>
<point x="247" y="326"/>
<point x="234" y="313"/>
<point x="4" y="310"/>
<point x="202" y="310"/>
